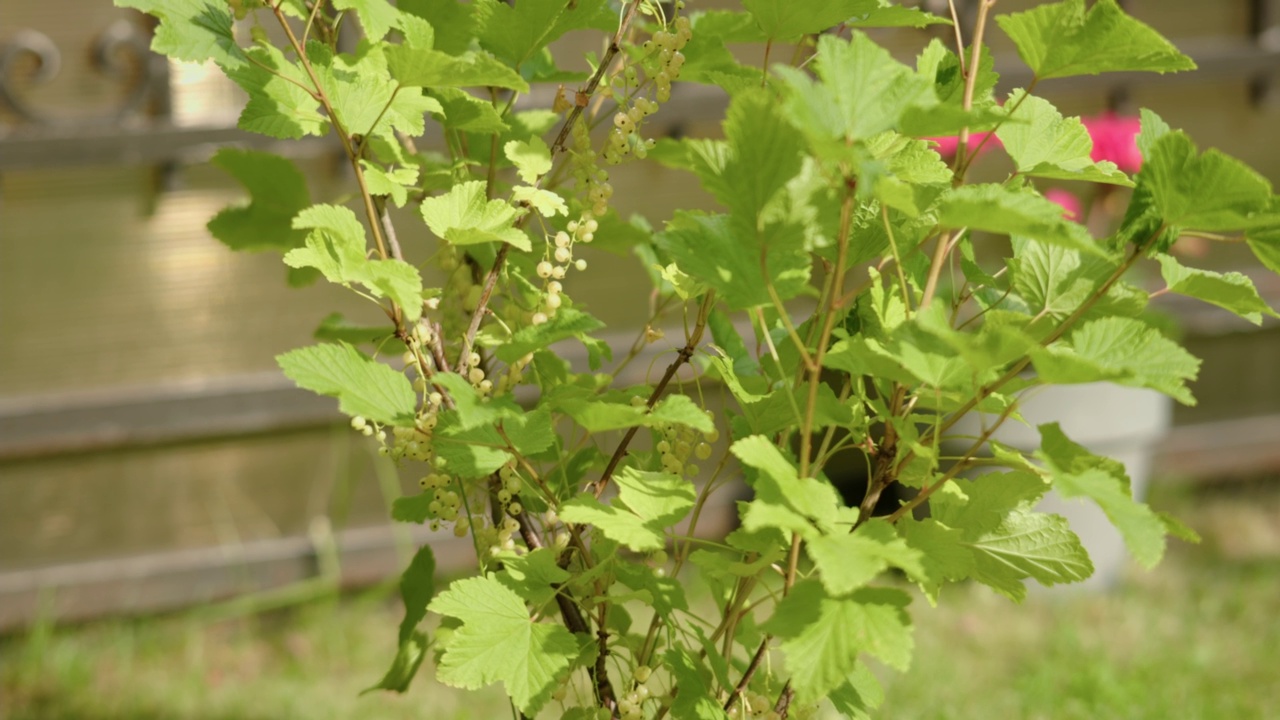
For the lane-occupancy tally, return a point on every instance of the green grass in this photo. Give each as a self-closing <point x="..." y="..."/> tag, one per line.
<point x="1197" y="638"/>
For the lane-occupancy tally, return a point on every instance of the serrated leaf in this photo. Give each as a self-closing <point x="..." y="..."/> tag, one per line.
<point x="277" y="192"/>
<point x="1210" y="191"/>
<point x="848" y="561"/>
<point x="395" y="183"/>
<point x="727" y="257"/>
<point x="428" y="68"/>
<point x="787" y="19"/>
<point x="534" y="575"/>
<point x="1230" y="291"/>
<point x="695" y="700"/>
<point x="499" y="642"/>
<point x="532" y="158"/>
<point x="998" y="209"/>
<point x="462" y="111"/>
<point x="863" y="91"/>
<point x="473" y="411"/>
<point x="1076" y="472"/>
<point x="464" y="216"/>
<point x="1045" y="144"/>
<point x="455" y="21"/>
<point x="1053" y="280"/>
<point x="192" y="30"/>
<point x="280" y="104"/>
<point x="782" y="498"/>
<point x="616" y="523"/>
<point x="567" y="323"/>
<point x="861" y="694"/>
<point x="1028" y="544"/>
<point x="363" y="386"/>
<point x="1265" y="244"/>
<point x="516" y="33"/>
<point x="377" y="17"/>
<point x="823" y="635"/>
<point x="978" y="506"/>
<point x="943" y="555"/>
<point x="764" y="152"/>
<point x="1124" y="351"/>
<point x="546" y="203"/>
<point x="336" y="245"/>
<point x="659" y="499"/>
<point x="1063" y="39"/>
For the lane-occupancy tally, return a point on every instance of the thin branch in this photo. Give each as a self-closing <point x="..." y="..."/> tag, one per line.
<point x="682" y="357"/>
<point x="464" y="362"/>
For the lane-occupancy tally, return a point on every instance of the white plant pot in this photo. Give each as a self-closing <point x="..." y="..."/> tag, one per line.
<point x="1110" y="420"/>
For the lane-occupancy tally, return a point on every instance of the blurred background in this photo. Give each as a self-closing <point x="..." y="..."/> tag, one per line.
<point x="178" y="524"/>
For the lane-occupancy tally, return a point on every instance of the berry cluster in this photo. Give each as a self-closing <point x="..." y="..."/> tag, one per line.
<point x="665" y="64"/>
<point x="678" y="442"/>
<point x="630" y="706"/>
<point x="553" y="272"/>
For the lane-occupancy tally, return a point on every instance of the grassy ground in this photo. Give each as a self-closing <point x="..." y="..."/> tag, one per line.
<point x="1197" y="638"/>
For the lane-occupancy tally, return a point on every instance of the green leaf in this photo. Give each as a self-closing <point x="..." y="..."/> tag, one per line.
<point x="860" y="695"/>
<point x="695" y="701"/>
<point x="783" y="499"/>
<point x="1053" y="280"/>
<point x="472" y="410"/>
<point x="616" y="523"/>
<point x="412" y="508"/>
<point x="788" y="19"/>
<point x="660" y="499"/>
<point x="499" y="642"/>
<point x="532" y="158"/>
<point x="764" y="152"/>
<point x="277" y="192"/>
<point x="516" y="33"/>
<point x="363" y="95"/>
<point x="1044" y="144"/>
<point x="848" y="561"/>
<point x="724" y="256"/>
<point x="1076" y="472"/>
<point x="978" y="506"/>
<point x="463" y="111"/>
<point x="1229" y="291"/>
<point x="1211" y="191"/>
<point x="363" y="386"/>
<point x="567" y="323"/>
<point x="417" y="586"/>
<point x="823" y="635"/>
<point x="1124" y="351"/>
<point x="1062" y="39"/>
<point x="1029" y="544"/>
<point x="377" y="17"/>
<point x="863" y="91"/>
<point x="395" y="183"/>
<point x="424" y="67"/>
<point x="280" y="104"/>
<point x="409" y="656"/>
<point x="534" y="575"/>
<point x="192" y="30"/>
<point x="996" y="208"/>
<point x="464" y="216"/>
<point x="903" y="173"/>
<point x="336" y="245"/>
<point x="943" y="555"/>
<point x="1265" y="244"/>
<point x="455" y="20"/>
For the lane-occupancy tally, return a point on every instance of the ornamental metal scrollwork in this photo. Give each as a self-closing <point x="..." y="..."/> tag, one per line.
<point x="121" y="53"/>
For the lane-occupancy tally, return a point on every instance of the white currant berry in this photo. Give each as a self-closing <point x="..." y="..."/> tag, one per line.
<point x="580" y="264"/>
<point x="358" y="422"/>
<point x="562" y="239"/>
<point x="557" y="272"/>
<point x="563" y="255"/>
<point x="545" y="269"/>
<point x="554" y="287"/>
<point x="553" y="302"/>
<point x="538" y="318"/>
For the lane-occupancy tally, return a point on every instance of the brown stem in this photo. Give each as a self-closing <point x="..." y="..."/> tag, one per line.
<point x="464" y="362"/>
<point x="748" y="673"/>
<point x="682" y="357"/>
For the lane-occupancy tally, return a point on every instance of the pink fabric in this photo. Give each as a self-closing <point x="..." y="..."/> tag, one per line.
<point x="1115" y="139"/>
<point x="1071" y="207"/>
